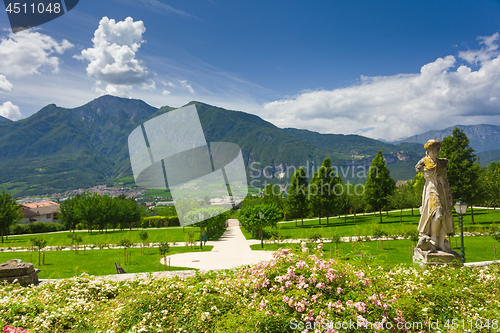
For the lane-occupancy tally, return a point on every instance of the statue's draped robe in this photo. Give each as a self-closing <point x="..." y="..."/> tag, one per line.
<point x="436" y="195"/>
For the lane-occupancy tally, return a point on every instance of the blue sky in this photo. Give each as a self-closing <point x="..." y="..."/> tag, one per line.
<point x="383" y="69"/>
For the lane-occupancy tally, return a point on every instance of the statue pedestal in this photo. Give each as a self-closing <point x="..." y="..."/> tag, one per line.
<point x="436" y="257"/>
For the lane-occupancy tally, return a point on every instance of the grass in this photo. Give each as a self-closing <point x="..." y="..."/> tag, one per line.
<point x="158" y="193"/>
<point x="66" y="264"/>
<point x="156" y="235"/>
<point x="477" y="248"/>
<point x="365" y="224"/>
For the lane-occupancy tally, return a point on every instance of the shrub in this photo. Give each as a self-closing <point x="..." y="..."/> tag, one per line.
<point x="335" y="239"/>
<point x="315" y="236"/>
<point x="413" y="235"/>
<point x="287" y="294"/>
<point x="496" y="237"/>
<point x="101" y="244"/>
<point x="12" y="329"/>
<point x="378" y="233"/>
<point x="189" y="239"/>
<point x="36" y="228"/>
<point x="164" y="248"/>
<point x="274" y="234"/>
<point x="125" y="242"/>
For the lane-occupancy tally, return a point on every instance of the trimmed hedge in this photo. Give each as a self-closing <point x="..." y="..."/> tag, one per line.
<point x="160" y="221"/>
<point x="36" y="228"/>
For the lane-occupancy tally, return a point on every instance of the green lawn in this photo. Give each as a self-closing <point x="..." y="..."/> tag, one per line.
<point x="477" y="248"/>
<point x="158" y="193"/>
<point x="65" y="264"/>
<point x="170" y="234"/>
<point x="365" y="224"/>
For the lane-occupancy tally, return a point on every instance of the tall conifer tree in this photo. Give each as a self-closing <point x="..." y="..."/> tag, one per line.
<point x="463" y="169"/>
<point x="297" y="194"/>
<point x="379" y="185"/>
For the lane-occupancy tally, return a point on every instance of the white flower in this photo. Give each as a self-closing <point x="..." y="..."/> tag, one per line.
<point x="205" y="315"/>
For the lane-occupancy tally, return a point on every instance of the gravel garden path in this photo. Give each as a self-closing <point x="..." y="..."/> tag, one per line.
<point x="231" y="250"/>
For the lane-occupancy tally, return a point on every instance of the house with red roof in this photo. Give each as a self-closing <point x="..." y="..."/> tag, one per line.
<point x="45" y="211"/>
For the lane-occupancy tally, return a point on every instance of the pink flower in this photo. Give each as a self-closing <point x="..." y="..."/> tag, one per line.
<point x="314" y="298"/>
<point x="301" y="264"/>
<point x="11" y="329"/>
<point x="361" y="321"/>
<point x="360" y="306"/>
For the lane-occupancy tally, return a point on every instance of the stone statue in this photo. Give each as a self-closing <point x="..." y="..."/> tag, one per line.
<point x="436" y="217"/>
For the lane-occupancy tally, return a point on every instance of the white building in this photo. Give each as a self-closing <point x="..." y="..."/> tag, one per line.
<point x="40" y="212"/>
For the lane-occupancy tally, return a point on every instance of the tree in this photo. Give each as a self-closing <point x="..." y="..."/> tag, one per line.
<point x="75" y="239"/>
<point x="39" y="243"/>
<point x="379" y="185"/>
<point x="106" y="210"/>
<point x="126" y="243"/>
<point x="356" y="199"/>
<point x="272" y="195"/>
<point x="144" y="237"/>
<point x="314" y="195"/>
<point x="463" y="171"/>
<point x="297" y="195"/>
<point x="492" y="181"/>
<point x="401" y="198"/>
<point x="345" y="204"/>
<point x="131" y="212"/>
<point x="164" y="248"/>
<point x="322" y="191"/>
<point x="250" y="219"/>
<point x="69" y="213"/>
<point x="417" y="191"/>
<point x="88" y="209"/>
<point x="10" y="213"/>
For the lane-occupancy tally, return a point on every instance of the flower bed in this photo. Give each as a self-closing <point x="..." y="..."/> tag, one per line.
<point x="293" y="292"/>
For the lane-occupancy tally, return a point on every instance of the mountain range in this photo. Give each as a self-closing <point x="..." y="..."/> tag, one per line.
<point x="4" y="119"/>
<point x="481" y="137"/>
<point x="485" y="139"/>
<point x="57" y="148"/>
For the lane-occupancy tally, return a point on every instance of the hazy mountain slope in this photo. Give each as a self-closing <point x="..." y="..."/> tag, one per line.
<point x="481" y="137"/>
<point x="2" y="119"/>
<point x="345" y="146"/>
<point x="486" y="157"/>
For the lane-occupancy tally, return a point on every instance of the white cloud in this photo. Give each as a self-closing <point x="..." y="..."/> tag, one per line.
<point x="10" y="111"/>
<point x="167" y="84"/>
<point x="112" y="58"/>
<point x="487" y="51"/>
<point x="25" y="52"/>
<point x="165" y="92"/>
<point x="186" y="85"/>
<point x="401" y="105"/>
<point x="5" y="85"/>
<point x="114" y="89"/>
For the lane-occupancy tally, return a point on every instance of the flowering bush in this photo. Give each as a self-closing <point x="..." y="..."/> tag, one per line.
<point x="11" y="329"/>
<point x="293" y="292"/>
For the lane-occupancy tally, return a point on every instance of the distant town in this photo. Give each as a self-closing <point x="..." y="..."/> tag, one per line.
<point x="113" y="191"/>
<point x="129" y="192"/>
